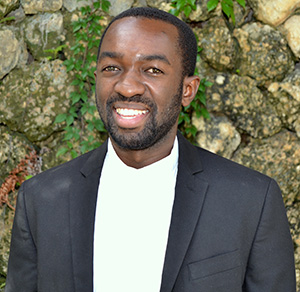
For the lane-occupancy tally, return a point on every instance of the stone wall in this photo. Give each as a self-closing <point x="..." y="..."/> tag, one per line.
<point x="254" y="102"/>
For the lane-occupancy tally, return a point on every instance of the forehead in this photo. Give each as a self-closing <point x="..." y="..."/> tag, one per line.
<point x="141" y="34"/>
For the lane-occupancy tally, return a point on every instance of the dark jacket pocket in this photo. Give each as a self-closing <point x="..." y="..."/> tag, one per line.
<point x="221" y="271"/>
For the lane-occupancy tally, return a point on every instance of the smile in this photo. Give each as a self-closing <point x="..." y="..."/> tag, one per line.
<point x="127" y="113"/>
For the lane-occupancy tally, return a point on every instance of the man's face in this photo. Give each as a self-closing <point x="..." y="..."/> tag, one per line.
<point x="139" y="82"/>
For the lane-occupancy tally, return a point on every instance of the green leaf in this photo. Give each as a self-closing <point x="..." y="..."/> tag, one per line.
<point x="242" y="3"/>
<point x="91" y="109"/>
<point x="62" y="151"/>
<point x="10" y="18"/>
<point x="75" y="82"/>
<point x="96" y="5"/>
<point x="205" y="113"/>
<point x="228" y="10"/>
<point x="77" y="27"/>
<point x="68" y="136"/>
<point x="105" y="5"/>
<point x="201" y="97"/>
<point x="233" y="18"/>
<point x="72" y="111"/>
<point x="99" y="125"/>
<point x="74" y="154"/>
<point x="83" y="10"/>
<point x="90" y="127"/>
<point x="70" y="145"/>
<point x="60" y="118"/>
<point x="191" y="2"/>
<point x="202" y="87"/>
<point x="180" y="5"/>
<point x="187" y="11"/>
<point x="75" y="97"/>
<point x="69" y="120"/>
<point x="174" y="11"/>
<point x="83" y="148"/>
<point x="96" y="145"/>
<point x="208" y="84"/>
<point x="228" y="2"/>
<point x="212" y="4"/>
<point x="76" y="134"/>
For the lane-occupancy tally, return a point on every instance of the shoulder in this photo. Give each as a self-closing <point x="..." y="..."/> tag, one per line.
<point x="69" y="172"/>
<point x="220" y="172"/>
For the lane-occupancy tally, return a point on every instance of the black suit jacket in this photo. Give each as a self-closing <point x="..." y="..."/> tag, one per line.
<point x="228" y="232"/>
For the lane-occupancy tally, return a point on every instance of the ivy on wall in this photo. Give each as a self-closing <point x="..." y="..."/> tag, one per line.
<point x="198" y="105"/>
<point x="87" y="30"/>
<point x="227" y="7"/>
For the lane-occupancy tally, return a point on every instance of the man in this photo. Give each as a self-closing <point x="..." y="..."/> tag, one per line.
<point x="148" y="211"/>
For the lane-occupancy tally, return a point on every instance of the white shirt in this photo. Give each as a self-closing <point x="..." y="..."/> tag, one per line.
<point x="133" y="215"/>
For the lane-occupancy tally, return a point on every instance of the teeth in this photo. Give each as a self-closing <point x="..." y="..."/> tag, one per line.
<point x="130" y="112"/>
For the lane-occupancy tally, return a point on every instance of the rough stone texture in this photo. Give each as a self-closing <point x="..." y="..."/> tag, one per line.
<point x="201" y="13"/>
<point x="285" y="96"/>
<point x="6" y="220"/>
<point x="43" y="34"/>
<point x="279" y="158"/>
<point x="7" y="6"/>
<point x="18" y="14"/>
<point x="117" y="6"/>
<point x="72" y="5"/>
<point x="32" y="99"/>
<point x="241" y="100"/>
<point x="217" y="135"/>
<point x="36" y="6"/>
<point x="13" y="147"/>
<point x="50" y="146"/>
<point x="264" y="53"/>
<point x="10" y="51"/>
<point x="293" y="214"/>
<point x="273" y="12"/>
<point x="292" y="33"/>
<point x="219" y="49"/>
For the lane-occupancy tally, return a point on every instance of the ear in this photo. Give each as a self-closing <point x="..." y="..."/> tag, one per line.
<point x="190" y="88"/>
<point x="95" y="73"/>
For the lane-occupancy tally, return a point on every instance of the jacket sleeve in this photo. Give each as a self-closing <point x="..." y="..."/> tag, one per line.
<point x="22" y="264"/>
<point x="271" y="262"/>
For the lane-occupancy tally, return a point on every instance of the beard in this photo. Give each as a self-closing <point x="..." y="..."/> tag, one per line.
<point x="155" y="128"/>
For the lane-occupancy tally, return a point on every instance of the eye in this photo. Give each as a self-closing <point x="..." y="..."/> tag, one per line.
<point x="110" y="69"/>
<point x="154" y="71"/>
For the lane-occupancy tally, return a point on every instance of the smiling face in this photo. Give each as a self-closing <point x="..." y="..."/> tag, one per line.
<point x="139" y="83"/>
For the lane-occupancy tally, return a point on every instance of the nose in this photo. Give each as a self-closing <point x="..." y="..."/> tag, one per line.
<point x="130" y="84"/>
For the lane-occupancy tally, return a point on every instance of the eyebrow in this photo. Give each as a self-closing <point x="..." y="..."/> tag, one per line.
<point x="114" y="55"/>
<point x="111" y="55"/>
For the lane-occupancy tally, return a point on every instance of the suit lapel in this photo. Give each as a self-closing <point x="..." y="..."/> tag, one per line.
<point x="189" y="197"/>
<point x="83" y="196"/>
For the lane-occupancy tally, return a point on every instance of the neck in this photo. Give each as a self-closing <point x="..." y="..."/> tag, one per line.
<point x="141" y="158"/>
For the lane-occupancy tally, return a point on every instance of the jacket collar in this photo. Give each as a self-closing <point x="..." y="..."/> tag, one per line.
<point x="189" y="197"/>
<point x="83" y="197"/>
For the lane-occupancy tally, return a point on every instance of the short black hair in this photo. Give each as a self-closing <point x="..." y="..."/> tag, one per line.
<point x="187" y="42"/>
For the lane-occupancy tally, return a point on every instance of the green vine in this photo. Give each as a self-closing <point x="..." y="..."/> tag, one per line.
<point x="185" y="6"/>
<point x="54" y="52"/>
<point x="82" y="114"/>
<point x="7" y="19"/>
<point x="227" y="7"/>
<point x="198" y="105"/>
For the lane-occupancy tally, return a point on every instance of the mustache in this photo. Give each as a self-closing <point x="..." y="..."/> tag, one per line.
<point x="135" y="98"/>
